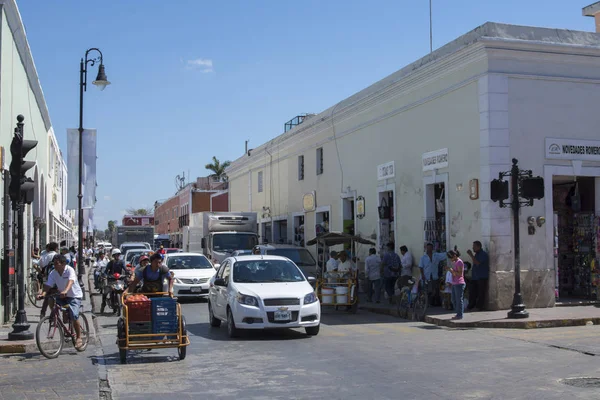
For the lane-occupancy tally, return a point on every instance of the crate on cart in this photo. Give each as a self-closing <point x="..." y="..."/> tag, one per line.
<point x="139" y="310"/>
<point x="140" y="328"/>
<point x="164" y="309"/>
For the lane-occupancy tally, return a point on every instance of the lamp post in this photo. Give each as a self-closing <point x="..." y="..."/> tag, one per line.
<point x="101" y="81"/>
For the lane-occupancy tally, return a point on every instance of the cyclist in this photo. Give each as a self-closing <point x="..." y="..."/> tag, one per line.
<point x="47" y="266"/>
<point x="152" y="276"/>
<point x="65" y="279"/>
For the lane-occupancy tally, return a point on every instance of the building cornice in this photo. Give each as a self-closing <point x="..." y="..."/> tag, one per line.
<point x="15" y="23"/>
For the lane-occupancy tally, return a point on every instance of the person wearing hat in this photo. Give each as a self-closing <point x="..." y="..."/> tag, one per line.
<point x="162" y="250"/>
<point x="152" y="275"/>
<point x="256" y="250"/>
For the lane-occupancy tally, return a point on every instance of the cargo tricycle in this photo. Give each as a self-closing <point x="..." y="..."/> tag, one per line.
<point x="151" y="321"/>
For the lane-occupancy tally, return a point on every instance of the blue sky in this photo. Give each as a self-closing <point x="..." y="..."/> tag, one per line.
<point x="193" y="78"/>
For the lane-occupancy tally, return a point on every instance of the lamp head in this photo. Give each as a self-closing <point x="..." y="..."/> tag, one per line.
<point x="531" y="221"/>
<point x="541" y="221"/>
<point x="101" y="80"/>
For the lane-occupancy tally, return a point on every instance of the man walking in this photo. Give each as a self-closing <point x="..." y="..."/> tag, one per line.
<point x="391" y="269"/>
<point x="406" y="259"/>
<point x="479" y="277"/>
<point x="373" y="275"/>
<point x="429" y="265"/>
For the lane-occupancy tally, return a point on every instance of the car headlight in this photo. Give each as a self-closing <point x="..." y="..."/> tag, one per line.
<point x="247" y="300"/>
<point x="310" y="298"/>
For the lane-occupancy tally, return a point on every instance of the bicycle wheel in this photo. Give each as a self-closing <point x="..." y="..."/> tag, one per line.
<point x="49" y="337"/>
<point x="85" y="333"/>
<point x="403" y="305"/>
<point x="421" y="304"/>
<point x="33" y="289"/>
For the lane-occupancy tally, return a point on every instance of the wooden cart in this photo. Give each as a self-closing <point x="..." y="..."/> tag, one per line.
<point x="135" y="335"/>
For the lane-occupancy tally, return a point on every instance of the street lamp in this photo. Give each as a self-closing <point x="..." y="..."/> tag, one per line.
<point x="102" y="82"/>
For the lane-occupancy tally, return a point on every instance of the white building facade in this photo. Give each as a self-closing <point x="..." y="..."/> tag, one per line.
<point x="410" y="158"/>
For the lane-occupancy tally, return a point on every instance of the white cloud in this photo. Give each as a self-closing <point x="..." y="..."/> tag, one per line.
<point x="200" y="64"/>
<point x="107" y="198"/>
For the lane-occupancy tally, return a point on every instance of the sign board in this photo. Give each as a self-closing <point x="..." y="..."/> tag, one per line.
<point x="386" y="171"/>
<point x="435" y="160"/>
<point x="572" y="149"/>
<point x="360" y="207"/>
<point x="309" y="202"/>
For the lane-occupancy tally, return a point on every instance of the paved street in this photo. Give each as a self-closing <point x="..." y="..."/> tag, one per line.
<point x="357" y="357"/>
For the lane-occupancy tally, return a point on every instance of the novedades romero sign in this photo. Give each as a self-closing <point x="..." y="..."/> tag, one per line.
<point x="572" y="149"/>
<point x="435" y="159"/>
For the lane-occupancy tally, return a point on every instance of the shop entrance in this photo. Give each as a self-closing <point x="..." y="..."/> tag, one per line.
<point x="266" y="232"/>
<point x="386" y="218"/>
<point x="576" y="231"/>
<point x="280" y="231"/>
<point x="321" y="227"/>
<point x="298" y="230"/>
<point x="434" y="225"/>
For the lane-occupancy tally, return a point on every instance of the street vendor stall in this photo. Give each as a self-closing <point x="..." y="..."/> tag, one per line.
<point x="337" y="288"/>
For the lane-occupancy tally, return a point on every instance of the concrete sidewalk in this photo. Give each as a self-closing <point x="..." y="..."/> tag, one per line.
<point x="538" y="317"/>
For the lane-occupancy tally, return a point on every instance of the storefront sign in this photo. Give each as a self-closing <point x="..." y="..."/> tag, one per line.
<point x="360" y="207"/>
<point x="386" y="171"/>
<point x="435" y="160"/>
<point x="309" y="202"/>
<point x="572" y="149"/>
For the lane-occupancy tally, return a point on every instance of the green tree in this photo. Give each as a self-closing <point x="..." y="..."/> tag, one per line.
<point x="218" y="169"/>
<point x="111" y="226"/>
<point x="139" y="211"/>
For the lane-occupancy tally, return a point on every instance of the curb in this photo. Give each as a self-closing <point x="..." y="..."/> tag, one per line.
<point x="499" y="324"/>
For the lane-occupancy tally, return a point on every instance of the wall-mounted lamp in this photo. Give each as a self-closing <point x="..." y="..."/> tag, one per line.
<point x="531" y="227"/>
<point x="540" y="221"/>
<point x="459" y="187"/>
<point x="474" y="189"/>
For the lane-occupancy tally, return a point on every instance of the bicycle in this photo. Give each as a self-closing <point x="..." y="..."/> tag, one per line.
<point x="34" y="287"/>
<point x="59" y="330"/>
<point x="418" y="306"/>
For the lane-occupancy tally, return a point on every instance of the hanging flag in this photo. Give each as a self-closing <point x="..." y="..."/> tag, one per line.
<point x="88" y="218"/>
<point x="89" y="168"/>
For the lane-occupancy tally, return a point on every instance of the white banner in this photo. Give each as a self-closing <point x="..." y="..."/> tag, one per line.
<point x="88" y="218"/>
<point x="89" y="168"/>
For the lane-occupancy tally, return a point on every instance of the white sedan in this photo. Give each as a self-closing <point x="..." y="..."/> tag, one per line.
<point x="262" y="292"/>
<point x="192" y="271"/>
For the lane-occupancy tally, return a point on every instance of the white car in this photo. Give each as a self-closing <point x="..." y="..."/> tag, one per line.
<point x="192" y="271"/>
<point x="262" y="292"/>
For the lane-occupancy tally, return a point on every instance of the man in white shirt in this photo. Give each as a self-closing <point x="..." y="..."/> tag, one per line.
<point x="65" y="280"/>
<point x="345" y="264"/>
<point x="407" y="261"/>
<point x="332" y="263"/>
<point x="46" y="265"/>
<point x="373" y="274"/>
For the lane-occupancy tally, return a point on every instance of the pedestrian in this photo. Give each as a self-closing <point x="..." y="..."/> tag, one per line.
<point x="429" y="265"/>
<point x="458" y="282"/>
<point x="406" y="259"/>
<point x="479" y="277"/>
<point x="391" y="269"/>
<point x="332" y="264"/>
<point x="373" y="275"/>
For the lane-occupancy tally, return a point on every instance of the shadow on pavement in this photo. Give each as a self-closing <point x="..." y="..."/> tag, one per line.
<point x="220" y="334"/>
<point x="329" y="316"/>
<point x="137" y="357"/>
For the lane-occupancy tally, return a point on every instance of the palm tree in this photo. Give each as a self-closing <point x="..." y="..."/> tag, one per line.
<point x="218" y="169"/>
<point x="139" y="211"/>
<point x="111" y="226"/>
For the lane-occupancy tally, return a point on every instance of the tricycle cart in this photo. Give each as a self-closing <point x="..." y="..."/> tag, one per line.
<point x="337" y="288"/>
<point x="151" y="321"/>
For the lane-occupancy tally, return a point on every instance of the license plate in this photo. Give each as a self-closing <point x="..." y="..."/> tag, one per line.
<point x="196" y="290"/>
<point x="282" y="315"/>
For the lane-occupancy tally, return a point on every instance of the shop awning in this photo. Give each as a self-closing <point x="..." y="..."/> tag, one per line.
<point x="337" y="238"/>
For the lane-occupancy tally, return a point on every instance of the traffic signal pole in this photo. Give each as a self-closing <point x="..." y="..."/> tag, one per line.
<point x="21" y="192"/>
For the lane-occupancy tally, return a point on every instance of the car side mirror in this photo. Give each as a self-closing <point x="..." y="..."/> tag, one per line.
<point x="217" y="266"/>
<point x="312" y="280"/>
<point x="220" y="282"/>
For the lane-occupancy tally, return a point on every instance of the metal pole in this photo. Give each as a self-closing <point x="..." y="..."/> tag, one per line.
<point x="430" y="28"/>
<point x="80" y="261"/>
<point x="6" y="240"/>
<point x="517" y="308"/>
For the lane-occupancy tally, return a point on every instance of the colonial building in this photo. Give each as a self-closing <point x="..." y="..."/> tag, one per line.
<point x="410" y="159"/>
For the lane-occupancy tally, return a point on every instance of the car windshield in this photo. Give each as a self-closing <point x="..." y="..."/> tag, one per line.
<point x="301" y="257"/>
<point x="169" y="251"/>
<point x="266" y="271"/>
<point x="124" y="249"/>
<point x="230" y="242"/>
<point x="188" y="262"/>
<point x="243" y="252"/>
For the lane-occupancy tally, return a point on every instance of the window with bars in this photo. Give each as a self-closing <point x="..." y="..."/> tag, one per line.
<point x="300" y="168"/>
<point x="319" y="161"/>
<point x="260" y="181"/>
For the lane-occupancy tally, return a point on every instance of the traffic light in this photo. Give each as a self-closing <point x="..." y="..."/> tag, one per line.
<point x="21" y="187"/>
<point x="532" y="188"/>
<point x="498" y="190"/>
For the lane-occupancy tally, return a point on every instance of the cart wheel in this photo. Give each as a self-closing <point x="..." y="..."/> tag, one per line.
<point x="121" y="340"/>
<point x="182" y="350"/>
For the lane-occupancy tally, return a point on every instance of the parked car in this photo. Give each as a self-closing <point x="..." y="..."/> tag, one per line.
<point x="299" y="255"/>
<point x="192" y="271"/>
<point x="173" y="250"/>
<point x="134" y="245"/>
<point x="128" y="257"/>
<point x="262" y="292"/>
<point x="238" y="253"/>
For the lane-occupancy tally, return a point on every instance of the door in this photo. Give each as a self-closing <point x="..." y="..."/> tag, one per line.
<point x="213" y="291"/>
<point x="223" y="291"/>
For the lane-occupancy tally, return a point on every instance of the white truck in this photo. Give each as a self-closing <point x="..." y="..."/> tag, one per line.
<point x="218" y="234"/>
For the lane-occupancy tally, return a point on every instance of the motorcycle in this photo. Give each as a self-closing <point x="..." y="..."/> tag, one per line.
<point x="115" y="286"/>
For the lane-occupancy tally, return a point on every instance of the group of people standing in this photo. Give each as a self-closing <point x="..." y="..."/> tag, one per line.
<point x="393" y="270"/>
